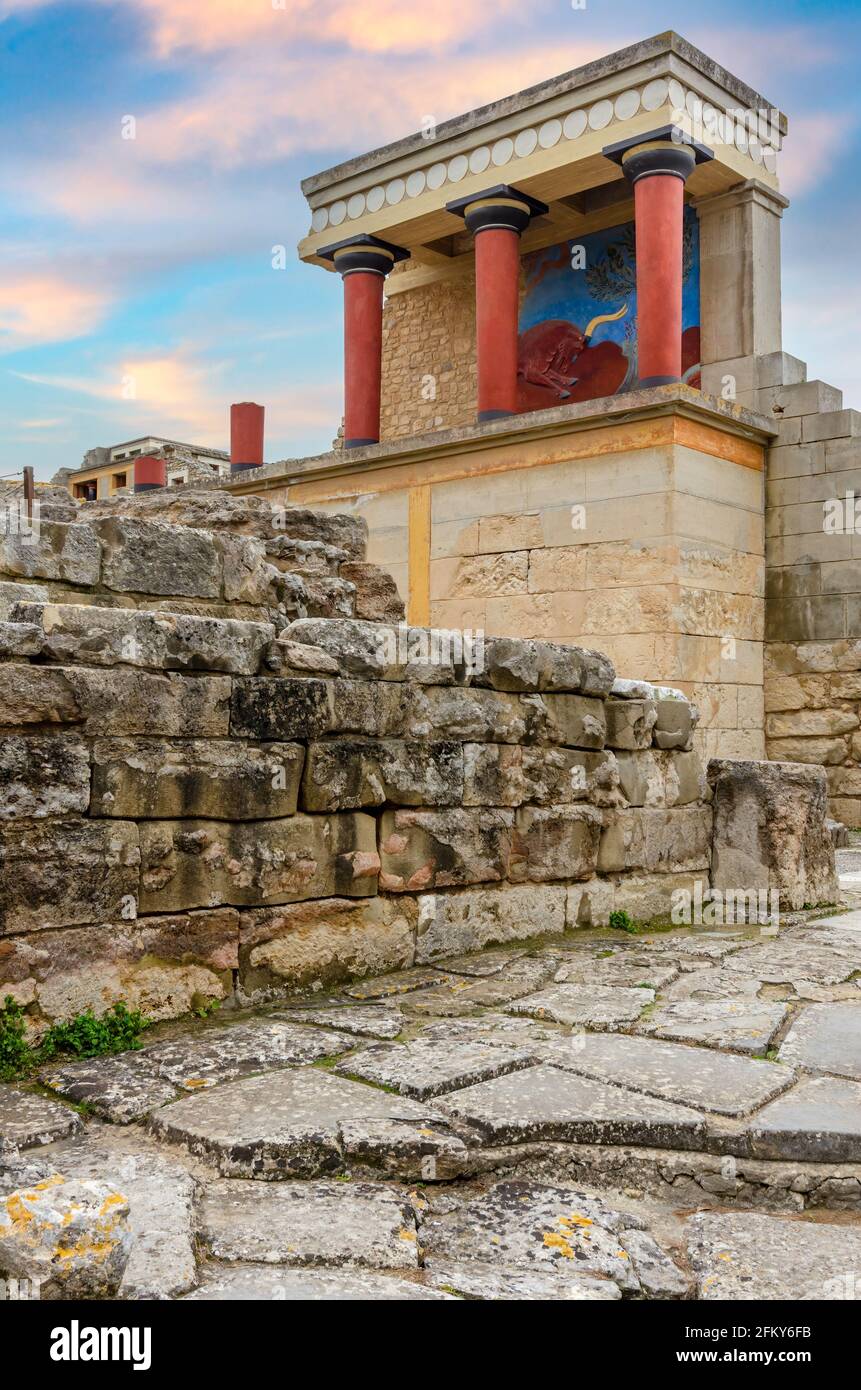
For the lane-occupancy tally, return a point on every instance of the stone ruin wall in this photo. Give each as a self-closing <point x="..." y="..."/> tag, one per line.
<point x="211" y="787"/>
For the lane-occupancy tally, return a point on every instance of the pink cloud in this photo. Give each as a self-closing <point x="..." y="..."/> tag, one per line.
<point x="43" y="307"/>
<point x="814" y="144"/>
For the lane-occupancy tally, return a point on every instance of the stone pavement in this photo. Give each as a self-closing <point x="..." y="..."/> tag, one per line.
<point x="588" y="1116"/>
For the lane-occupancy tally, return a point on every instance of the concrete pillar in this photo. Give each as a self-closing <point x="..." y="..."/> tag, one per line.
<point x="363" y="263"/>
<point x="740" y="272"/>
<point x="150" y="472"/>
<point x="496" y="219"/>
<point x="658" y="164"/>
<point x="246" y="436"/>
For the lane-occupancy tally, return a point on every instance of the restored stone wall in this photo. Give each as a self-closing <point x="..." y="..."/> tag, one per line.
<point x="429" y="360"/>
<point x="194" y="805"/>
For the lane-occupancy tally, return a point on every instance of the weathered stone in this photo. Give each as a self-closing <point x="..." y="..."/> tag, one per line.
<point x="630" y="723"/>
<point x="399" y="982"/>
<point x="205" y="863"/>
<point x="12" y="593"/>
<point x="67" y="552"/>
<point x="592" y="1005"/>
<point x="795" y="961"/>
<point x="818" y="1121"/>
<point x="327" y="598"/>
<point x="479" y="964"/>
<point x="20" y="640"/>
<point x="546" y="1103"/>
<point x="505" y="774"/>
<point x="123" y="701"/>
<point x="741" y="1024"/>
<point x="83" y="633"/>
<point x="366" y="1021"/>
<point x="424" y="1069"/>
<point x="629" y="969"/>
<point x="474" y="917"/>
<point x="577" y="721"/>
<point x="476" y="1279"/>
<point x="348" y="533"/>
<point x="750" y="1256"/>
<point x="656" y="840"/>
<point x="37" y="695"/>
<point x="43" y="776"/>
<point x="825" y="1037"/>
<point x="28" y="1120"/>
<point x="523" y="665"/>
<point x="674" y="723"/>
<point x="255" y="1282"/>
<point x="459" y="996"/>
<point x="451" y="848"/>
<point x="343" y="774"/>
<point x="153" y="557"/>
<point x="71" y="1239"/>
<point x="554" y="842"/>
<point x="312" y="1223"/>
<point x="163" y="966"/>
<point x="246" y="576"/>
<point x="715" y="1081"/>
<point x="657" y="779"/>
<point x="64" y="873"/>
<point x="376" y="651"/>
<point x="770" y="832"/>
<point x="561" y="1233"/>
<point x="226" y="781"/>
<point x="120" y="1089"/>
<point x="324" y="942"/>
<point x="275" y="708"/>
<point x="304" y="557"/>
<point x="298" y="659"/>
<point x="215" y="1055"/>
<point x="307" y="1123"/>
<point x="473" y="715"/>
<point x="377" y="596"/>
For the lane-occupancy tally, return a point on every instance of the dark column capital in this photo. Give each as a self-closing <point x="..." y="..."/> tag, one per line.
<point x="368" y="253"/>
<point x="667" y="150"/>
<point x="500" y="207"/>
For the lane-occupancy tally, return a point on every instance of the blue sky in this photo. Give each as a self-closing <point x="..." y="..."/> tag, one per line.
<point x="137" y="291"/>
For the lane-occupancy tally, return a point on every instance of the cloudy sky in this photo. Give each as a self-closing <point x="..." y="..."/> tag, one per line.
<point x="149" y="260"/>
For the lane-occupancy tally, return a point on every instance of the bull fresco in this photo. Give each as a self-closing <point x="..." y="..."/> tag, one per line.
<point x="578" y="318"/>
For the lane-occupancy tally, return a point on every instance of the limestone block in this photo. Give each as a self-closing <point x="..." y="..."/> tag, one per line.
<point x="37" y="695"/>
<point x="20" y="640"/>
<point x="382" y="709"/>
<point x="377" y="598"/>
<point x="490" y="575"/>
<point x="770" y="831"/>
<point x="149" y="778"/>
<point x="349" y="533"/>
<point x="343" y="774"/>
<point x="589" y="904"/>
<point x="287" y="658"/>
<point x="520" y="664"/>
<point x="245" y="572"/>
<point x="122" y="700"/>
<point x="658" y="841"/>
<point x="62" y="551"/>
<point x="65" y="873"/>
<point x="378" y="651"/>
<point x="558" y="567"/>
<point x="577" y="721"/>
<point x="328" y="598"/>
<point x="71" y="1239"/>
<point x="443" y="849"/>
<point x="647" y="897"/>
<point x="304" y="557"/>
<point x="272" y="707"/>
<point x="505" y="774"/>
<point x="674" y="724"/>
<point x="197" y="863"/>
<point x="468" y="919"/>
<point x="153" y="557"/>
<point x="813" y="723"/>
<point x="12" y="593"/>
<point x="554" y="842"/>
<point x="823" y="751"/>
<point x="630" y="723"/>
<point x="164" y="966"/>
<point x="43" y="776"/>
<point x="324" y="942"/>
<point x="662" y="779"/>
<point x="134" y="637"/>
<point x="517" y="532"/>
<point x="474" y="715"/>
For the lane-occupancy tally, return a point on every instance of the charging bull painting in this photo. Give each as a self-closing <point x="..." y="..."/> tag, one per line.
<point x="578" y="318"/>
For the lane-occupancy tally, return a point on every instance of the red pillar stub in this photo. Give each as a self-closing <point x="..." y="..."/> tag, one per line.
<point x="150" y="472"/>
<point x="246" y="436"/>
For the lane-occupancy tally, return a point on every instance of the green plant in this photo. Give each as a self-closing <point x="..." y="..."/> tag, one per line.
<point x="118" y="1030"/>
<point x="620" y="921"/>
<point x="16" y="1055"/>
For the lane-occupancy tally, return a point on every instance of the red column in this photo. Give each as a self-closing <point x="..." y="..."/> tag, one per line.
<point x="363" y="356"/>
<point x="497" y="275"/>
<point x="246" y="436"/>
<point x="496" y="218"/>
<point x="659" y="204"/>
<point x="363" y="263"/>
<point x="150" y="472"/>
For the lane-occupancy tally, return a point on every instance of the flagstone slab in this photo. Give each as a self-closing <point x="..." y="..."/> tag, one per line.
<point x="497" y="1030"/>
<point x="740" y="1024"/>
<point x="121" y="1089"/>
<point x="477" y="1279"/>
<point x="548" y="1103"/>
<point x="462" y="995"/>
<point x="221" y="1054"/>
<point x="818" y="1121"/>
<point x="480" y="963"/>
<point x="720" y="1082"/>
<point x="367" y="1021"/>
<point x="429" y="1067"/>
<point x="826" y="1037"/>
<point x="259" y="1283"/>
<point x="631" y="973"/>
<point x="589" y="1006"/>
<point x="561" y="1233"/>
<point x="794" y="961"/>
<point x="28" y="1120"/>
<point x="398" y="982"/>
<point x="749" y="1256"/>
<point x="308" y="1123"/>
<point x="310" y="1223"/>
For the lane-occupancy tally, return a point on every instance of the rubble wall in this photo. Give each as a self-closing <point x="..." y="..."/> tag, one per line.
<point x="195" y="806"/>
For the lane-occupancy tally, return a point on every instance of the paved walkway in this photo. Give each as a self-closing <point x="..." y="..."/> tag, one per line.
<point x="593" y="1116"/>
